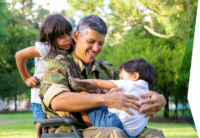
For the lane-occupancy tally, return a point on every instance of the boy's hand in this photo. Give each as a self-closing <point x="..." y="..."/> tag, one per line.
<point x="31" y="82"/>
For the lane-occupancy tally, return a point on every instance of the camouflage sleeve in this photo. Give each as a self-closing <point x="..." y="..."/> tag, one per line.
<point x="109" y="70"/>
<point x="115" y="74"/>
<point x="55" y="81"/>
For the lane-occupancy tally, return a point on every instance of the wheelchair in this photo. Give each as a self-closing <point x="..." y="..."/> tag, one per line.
<point x="67" y="121"/>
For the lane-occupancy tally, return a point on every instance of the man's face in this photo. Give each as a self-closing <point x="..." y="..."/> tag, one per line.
<point x="88" y="46"/>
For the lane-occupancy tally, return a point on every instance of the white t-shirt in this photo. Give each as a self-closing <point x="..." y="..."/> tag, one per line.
<point x="40" y="64"/>
<point x="132" y="124"/>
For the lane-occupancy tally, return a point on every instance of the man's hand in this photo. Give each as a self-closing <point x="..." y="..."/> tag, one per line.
<point x="155" y="103"/>
<point x="114" y="99"/>
<point x="31" y="82"/>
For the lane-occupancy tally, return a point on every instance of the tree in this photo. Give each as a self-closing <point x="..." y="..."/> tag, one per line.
<point x="155" y="30"/>
<point x="183" y="79"/>
<point x="4" y="15"/>
<point x="11" y="85"/>
<point x="22" y="28"/>
<point x="159" y="18"/>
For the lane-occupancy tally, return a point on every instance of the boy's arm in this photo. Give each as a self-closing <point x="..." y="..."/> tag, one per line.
<point x="20" y="57"/>
<point x="101" y="84"/>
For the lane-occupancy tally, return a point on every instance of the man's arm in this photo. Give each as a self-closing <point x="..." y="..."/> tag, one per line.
<point x="155" y="103"/>
<point x="77" y="102"/>
<point x="100" y="84"/>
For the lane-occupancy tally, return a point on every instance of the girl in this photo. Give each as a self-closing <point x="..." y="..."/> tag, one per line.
<point x="54" y="38"/>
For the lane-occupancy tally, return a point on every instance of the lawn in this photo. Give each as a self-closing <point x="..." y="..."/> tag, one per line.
<point x="20" y="125"/>
<point x="174" y="130"/>
<point x="17" y="125"/>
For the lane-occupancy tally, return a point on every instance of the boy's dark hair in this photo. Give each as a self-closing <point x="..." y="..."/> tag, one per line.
<point x="52" y="27"/>
<point x="145" y="70"/>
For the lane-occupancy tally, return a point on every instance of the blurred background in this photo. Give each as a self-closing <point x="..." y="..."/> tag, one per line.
<point x="160" y="31"/>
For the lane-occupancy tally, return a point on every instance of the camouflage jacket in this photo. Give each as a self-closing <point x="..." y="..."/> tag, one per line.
<point x="55" y="81"/>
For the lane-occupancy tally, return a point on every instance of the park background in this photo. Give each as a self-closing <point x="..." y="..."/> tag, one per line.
<point x="161" y="31"/>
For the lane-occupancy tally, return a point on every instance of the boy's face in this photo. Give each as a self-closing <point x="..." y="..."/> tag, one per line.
<point x="123" y="75"/>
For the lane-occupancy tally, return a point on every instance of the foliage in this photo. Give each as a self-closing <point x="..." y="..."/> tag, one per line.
<point x="22" y="29"/>
<point x="183" y="79"/>
<point x="5" y="14"/>
<point x="163" y="19"/>
<point x="155" y="30"/>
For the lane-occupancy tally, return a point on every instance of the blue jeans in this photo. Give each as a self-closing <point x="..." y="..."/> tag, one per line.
<point x="37" y="112"/>
<point x="101" y="117"/>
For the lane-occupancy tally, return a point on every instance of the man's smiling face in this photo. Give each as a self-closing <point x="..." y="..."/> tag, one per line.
<point x="89" y="45"/>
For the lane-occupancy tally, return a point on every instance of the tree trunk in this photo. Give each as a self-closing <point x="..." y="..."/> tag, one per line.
<point x="28" y="105"/>
<point x="166" y="111"/>
<point x="176" y="110"/>
<point x="183" y="110"/>
<point x="15" y="102"/>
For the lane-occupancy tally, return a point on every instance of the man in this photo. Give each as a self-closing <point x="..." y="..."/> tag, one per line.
<point x="61" y="101"/>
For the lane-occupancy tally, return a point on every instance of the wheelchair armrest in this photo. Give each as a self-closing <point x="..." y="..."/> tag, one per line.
<point x="57" y="121"/>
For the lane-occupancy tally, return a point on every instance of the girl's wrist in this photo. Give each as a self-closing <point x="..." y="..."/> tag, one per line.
<point x="25" y="78"/>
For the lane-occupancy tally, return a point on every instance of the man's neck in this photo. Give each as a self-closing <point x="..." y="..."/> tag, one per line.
<point x="87" y="67"/>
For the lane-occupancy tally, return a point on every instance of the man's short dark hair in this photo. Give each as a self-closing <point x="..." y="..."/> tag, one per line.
<point x="145" y="70"/>
<point x="93" y="22"/>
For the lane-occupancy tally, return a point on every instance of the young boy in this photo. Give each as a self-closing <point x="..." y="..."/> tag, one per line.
<point x="135" y="77"/>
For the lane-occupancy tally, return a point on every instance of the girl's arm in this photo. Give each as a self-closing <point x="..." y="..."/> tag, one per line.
<point x="101" y="84"/>
<point x="20" y="57"/>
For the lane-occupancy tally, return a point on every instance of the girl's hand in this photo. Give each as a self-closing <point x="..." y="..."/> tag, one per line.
<point x="102" y="91"/>
<point x="31" y="82"/>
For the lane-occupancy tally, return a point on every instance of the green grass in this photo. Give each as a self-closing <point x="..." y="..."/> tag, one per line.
<point x="17" y="115"/>
<point x="174" y="130"/>
<point x="171" y="112"/>
<point x="22" y="129"/>
<point x="26" y="129"/>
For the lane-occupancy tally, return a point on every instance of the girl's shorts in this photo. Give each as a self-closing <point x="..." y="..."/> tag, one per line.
<point x="37" y="112"/>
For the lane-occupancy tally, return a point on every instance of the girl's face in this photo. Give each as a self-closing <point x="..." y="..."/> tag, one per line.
<point x="64" y="41"/>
